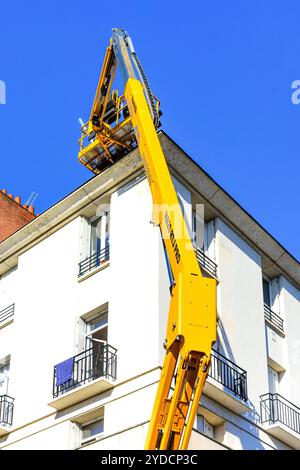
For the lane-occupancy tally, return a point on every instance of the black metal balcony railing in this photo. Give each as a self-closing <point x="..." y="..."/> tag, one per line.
<point x="206" y="263"/>
<point x="6" y="410"/>
<point x="273" y="318"/>
<point x="94" y="261"/>
<point x="7" y="313"/>
<point x="227" y="373"/>
<point x="275" y="408"/>
<point x="98" y="361"/>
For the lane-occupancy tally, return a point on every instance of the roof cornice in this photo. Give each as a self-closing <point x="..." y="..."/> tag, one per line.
<point x="223" y="204"/>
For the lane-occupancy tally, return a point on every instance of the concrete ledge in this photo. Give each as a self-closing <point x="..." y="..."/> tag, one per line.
<point x="225" y="397"/>
<point x="81" y="393"/>
<point x="283" y="433"/>
<point x="90" y="273"/>
<point x="6" y="323"/>
<point x="4" y="430"/>
<point x="199" y="441"/>
<point x="276" y="259"/>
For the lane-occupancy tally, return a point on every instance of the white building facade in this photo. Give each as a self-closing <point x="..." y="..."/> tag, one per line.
<point x="84" y="297"/>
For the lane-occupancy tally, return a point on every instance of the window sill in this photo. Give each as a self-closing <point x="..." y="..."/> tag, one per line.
<point x="6" y="323"/>
<point x="284" y="433"/>
<point x="4" y="430"/>
<point x="93" y="271"/>
<point x="275" y="328"/>
<point x="225" y="397"/>
<point x="90" y="440"/>
<point x="82" y="393"/>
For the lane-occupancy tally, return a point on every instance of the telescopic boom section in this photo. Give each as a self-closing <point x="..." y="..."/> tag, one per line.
<point x="191" y="328"/>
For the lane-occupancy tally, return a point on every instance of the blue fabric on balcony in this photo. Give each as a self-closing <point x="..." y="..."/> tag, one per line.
<point x="64" y="371"/>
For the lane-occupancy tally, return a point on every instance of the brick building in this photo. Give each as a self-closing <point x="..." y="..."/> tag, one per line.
<point x="13" y="214"/>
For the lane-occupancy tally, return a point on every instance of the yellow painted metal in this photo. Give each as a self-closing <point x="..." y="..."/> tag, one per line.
<point x="192" y="314"/>
<point x="106" y="79"/>
<point x="191" y="328"/>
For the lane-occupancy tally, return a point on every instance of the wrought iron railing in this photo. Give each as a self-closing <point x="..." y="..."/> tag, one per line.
<point x="98" y="361"/>
<point x="227" y="373"/>
<point x="94" y="261"/>
<point x="276" y="409"/>
<point x="273" y="318"/>
<point x="7" y="313"/>
<point x="205" y="262"/>
<point x="6" y="410"/>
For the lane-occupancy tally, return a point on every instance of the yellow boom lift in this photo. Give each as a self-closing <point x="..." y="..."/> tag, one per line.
<point x="118" y="123"/>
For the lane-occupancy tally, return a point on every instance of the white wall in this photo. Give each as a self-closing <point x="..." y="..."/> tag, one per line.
<point x="290" y="382"/>
<point x="185" y="201"/>
<point x="133" y="310"/>
<point x="276" y="349"/>
<point x="56" y="437"/>
<point x="8" y="285"/>
<point x="50" y="300"/>
<point x="240" y="309"/>
<point x="44" y="320"/>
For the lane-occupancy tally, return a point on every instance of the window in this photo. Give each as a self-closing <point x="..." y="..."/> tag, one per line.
<point x="4" y="376"/>
<point x="94" y="242"/>
<point x="203" y="233"/>
<point x="94" y="342"/>
<point x="96" y="330"/>
<point x="204" y="426"/>
<point x="273" y="380"/>
<point x="266" y="292"/>
<point x="199" y="237"/>
<point x="92" y="429"/>
<point x="99" y="234"/>
<point x="88" y="427"/>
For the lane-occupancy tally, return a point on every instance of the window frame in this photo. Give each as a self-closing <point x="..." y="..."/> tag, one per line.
<point x="87" y="334"/>
<point x="5" y="363"/>
<point x="275" y="380"/>
<point x="205" y="424"/>
<point x="265" y="279"/>
<point x="86" y="440"/>
<point x="91" y="220"/>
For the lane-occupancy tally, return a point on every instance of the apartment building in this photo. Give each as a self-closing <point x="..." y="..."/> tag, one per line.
<point x="84" y="296"/>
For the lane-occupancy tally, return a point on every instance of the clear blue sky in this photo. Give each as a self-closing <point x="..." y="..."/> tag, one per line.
<point x="222" y="70"/>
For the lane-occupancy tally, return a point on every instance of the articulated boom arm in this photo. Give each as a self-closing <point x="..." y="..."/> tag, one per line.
<point x="191" y="328"/>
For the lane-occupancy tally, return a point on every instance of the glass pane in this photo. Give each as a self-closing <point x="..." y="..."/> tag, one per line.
<point x="92" y="429"/>
<point x="4" y="374"/>
<point x="4" y="371"/>
<point x="96" y="236"/>
<point x="101" y="335"/>
<point x="97" y="322"/>
<point x="194" y="227"/>
<point x="266" y="289"/>
<point x="107" y="230"/>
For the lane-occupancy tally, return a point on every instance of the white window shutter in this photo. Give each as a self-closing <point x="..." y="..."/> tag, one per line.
<point x="81" y="335"/>
<point x="84" y="242"/>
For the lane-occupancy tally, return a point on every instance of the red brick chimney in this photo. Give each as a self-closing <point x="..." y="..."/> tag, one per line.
<point x="13" y="214"/>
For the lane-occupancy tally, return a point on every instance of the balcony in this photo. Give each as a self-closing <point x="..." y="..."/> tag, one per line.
<point x="93" y="372"/>
<point x="281" y="418"/>
<point x="6" y="315"/>
<point x="94" y="261"/>
<point x="205" y="262"/>
<point x="273" y="319"/>
<point x="227" y="383"/>
<point x="6" y="413"/>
